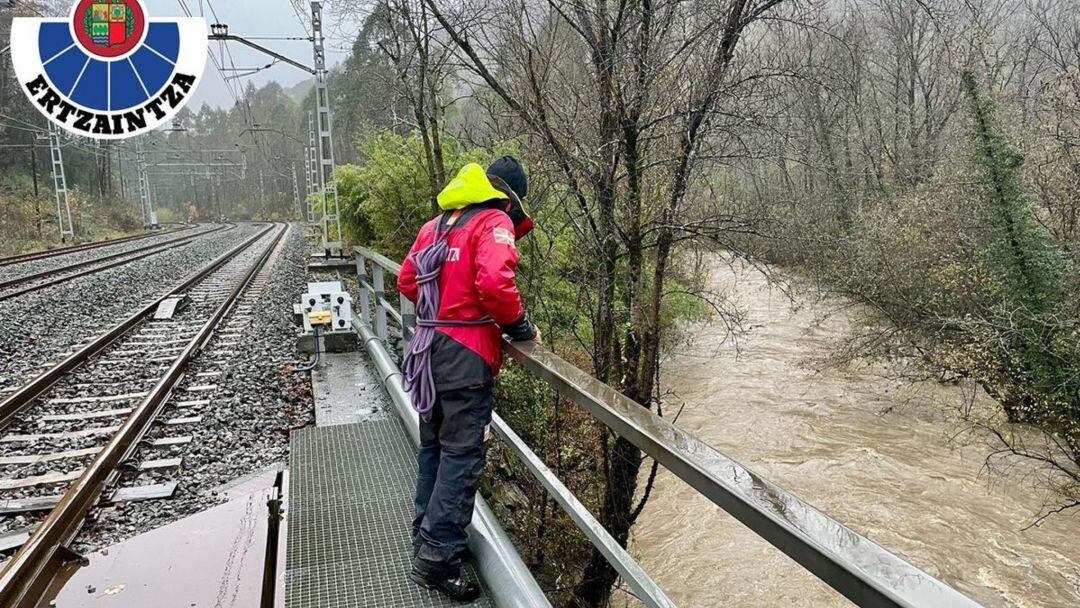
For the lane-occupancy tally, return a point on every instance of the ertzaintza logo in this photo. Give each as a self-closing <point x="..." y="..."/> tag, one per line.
<point x="108" y="71"/>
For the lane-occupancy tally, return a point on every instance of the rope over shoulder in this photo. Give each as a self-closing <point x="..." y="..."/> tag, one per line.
<point x="416" y="368"/>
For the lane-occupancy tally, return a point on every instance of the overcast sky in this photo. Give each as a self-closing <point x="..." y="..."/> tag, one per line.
<point x="252" y="18"/>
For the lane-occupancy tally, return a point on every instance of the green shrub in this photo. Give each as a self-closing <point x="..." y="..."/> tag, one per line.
<point x="385" y="201"/>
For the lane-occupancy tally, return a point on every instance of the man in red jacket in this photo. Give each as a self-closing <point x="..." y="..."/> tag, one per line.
<point x="460" y="273"/>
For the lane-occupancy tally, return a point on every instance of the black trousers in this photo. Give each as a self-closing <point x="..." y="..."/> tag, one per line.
<point x="450" y="462"/>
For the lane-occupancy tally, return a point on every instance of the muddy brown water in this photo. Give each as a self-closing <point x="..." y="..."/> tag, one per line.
<point x="886" y="456"/>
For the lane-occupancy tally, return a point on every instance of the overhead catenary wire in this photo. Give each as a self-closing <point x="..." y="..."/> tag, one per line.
<point x="213" y="58"/>
<point x="238" y="82"/>
<point x="22" y="122"/>
<point x="246" y="109"/>
<point x="19" y="128"/>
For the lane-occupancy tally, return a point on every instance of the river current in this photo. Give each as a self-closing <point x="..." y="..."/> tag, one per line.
<point x="884" y="454"/>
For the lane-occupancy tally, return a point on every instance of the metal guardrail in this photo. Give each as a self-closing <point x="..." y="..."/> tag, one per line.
<point x="858" y="568"/>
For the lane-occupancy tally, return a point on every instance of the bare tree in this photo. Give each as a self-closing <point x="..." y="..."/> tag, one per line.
<point x="624" y="98"/>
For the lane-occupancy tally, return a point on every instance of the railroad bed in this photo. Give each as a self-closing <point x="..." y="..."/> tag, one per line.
<point x="70" y="429"/>
<point x="43" y="261"/>
<point x="27" y="282"/>
<point x="39" y="328"/>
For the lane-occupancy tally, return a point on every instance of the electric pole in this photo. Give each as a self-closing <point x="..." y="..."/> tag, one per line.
<point x="262" y="192"/>
<point x="313" y="178"/>
<point x="37" y="192"/>
<point x="305" y="210"/>
<point x="331" y="220"/>
<point x="120" y="172"/>
<point x="63" y="205"/>
<point x="149" y="217"/>
<point x="33" y="162"/>
<point x="320" y="126"/>
<point x="296" y="194"/>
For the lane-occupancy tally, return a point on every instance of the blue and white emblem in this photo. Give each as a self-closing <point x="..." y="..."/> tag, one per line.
<point x="109" y="71"/>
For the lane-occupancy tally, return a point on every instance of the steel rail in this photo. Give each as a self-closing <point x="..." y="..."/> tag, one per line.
<point x="25" y="395"/>
<point x="863" y="571"/>
<point x="76" y="266"/>
<point x="52" y="253"/>
<point x="31" y="570"/>
<point x="127" y="257"/>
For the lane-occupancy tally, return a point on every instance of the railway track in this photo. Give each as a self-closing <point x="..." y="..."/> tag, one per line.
<point x="152" y="467"/>
<point x="65" y="435"/>
<point x="34" y="281"/>
<point x="52" y="253"/>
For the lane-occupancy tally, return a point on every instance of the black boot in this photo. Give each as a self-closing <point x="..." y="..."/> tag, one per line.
<point x="456" y="588"/>
<point x="464" y="555"/>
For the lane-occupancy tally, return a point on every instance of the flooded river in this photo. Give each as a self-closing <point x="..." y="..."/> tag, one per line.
<point x="878" y="453"/>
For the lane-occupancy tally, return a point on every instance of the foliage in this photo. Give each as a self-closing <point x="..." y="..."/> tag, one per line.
<point x="922" y="160"/>
<point x="29" y="223"/>
<point x="966" y="272"/>
<point x="1025" y="340"/>
<point x="1027" y="270"/>
<point x="385" y="202"/>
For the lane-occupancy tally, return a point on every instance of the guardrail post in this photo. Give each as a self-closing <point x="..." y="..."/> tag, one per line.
<point x="408" y="324"/>
<point x="362" y="281"/>
<point x="380" y="295"/>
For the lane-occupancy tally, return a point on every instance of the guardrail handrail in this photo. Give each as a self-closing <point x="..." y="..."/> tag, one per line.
<point x="858" y="568"/>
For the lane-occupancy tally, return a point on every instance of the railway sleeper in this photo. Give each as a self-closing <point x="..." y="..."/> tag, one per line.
<point x="103" y="399"/>
<point x="32" y="438"/>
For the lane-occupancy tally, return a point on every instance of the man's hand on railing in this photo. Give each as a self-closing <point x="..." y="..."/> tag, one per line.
<point x="521" y="330"/>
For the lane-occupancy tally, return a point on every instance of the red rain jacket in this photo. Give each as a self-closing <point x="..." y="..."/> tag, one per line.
<point x="477" y="280"/>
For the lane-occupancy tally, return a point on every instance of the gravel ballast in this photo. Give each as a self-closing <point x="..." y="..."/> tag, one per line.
<point x="29" y="267"/>
<point x="257" y="400"/>
<point x="40" y="457"/>
<point x="37" y="328"/>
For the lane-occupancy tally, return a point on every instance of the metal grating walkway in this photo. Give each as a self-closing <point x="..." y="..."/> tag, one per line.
<point x="350" y="497"/>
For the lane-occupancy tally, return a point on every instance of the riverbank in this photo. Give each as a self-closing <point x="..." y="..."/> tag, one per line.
<point x="884" y="454"/>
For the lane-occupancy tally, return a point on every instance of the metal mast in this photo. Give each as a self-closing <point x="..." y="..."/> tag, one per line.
<point x="312" y="163"/>
<point x="149" y="217"/>
<point x="296" y="193"/>
<point x="331" y="220"/>
<point x="262" y="191"/>
<point x="63" y="205"/>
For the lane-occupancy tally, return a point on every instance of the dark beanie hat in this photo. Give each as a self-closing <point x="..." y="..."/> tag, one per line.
<point x="509" y="170"/>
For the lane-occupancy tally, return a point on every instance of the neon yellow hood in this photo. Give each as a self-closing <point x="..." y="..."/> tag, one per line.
<point x="468" y="187"/>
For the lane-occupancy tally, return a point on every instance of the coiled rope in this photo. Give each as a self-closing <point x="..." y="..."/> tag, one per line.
<point x="416" y="368"/>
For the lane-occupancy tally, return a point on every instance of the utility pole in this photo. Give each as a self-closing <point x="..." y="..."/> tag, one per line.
<point x="120" y="172"/>
<point x="63" y="205"/>
<point x="33" y="162"/>
<point x="215" y="201"/>
<point x="331" y="220"/>
<point x="149" y="217"/>
<point x="296" y="194"/>
<point x="313" y="178"/>
<point x="262" y="191"/>
<point x="307" y="182"/>
<point x="37" y="192"/>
